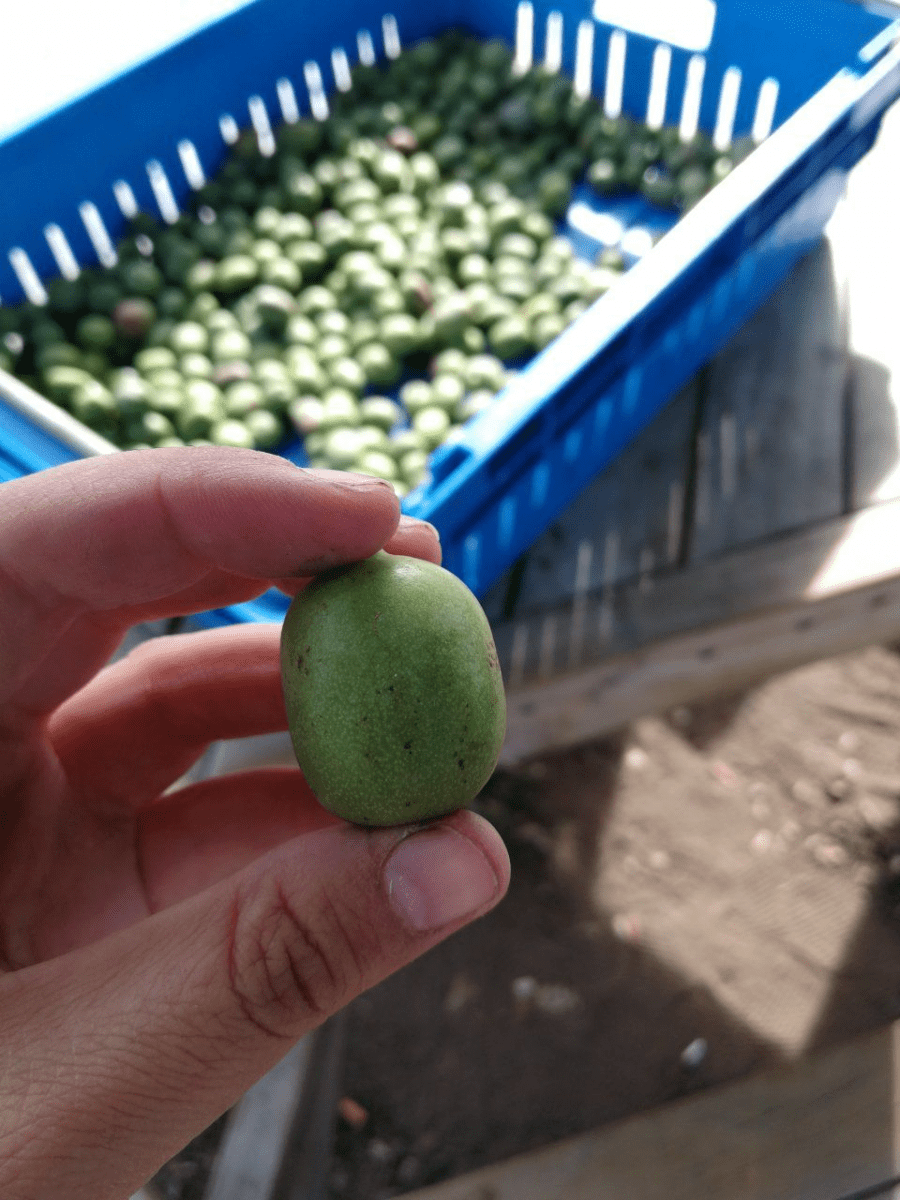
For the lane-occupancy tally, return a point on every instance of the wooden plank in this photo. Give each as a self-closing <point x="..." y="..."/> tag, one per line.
<point x="712" y="627"/>
<point x="824" y="1128"/>
<point x="627" y="522"/>
<point x="256" y="1135"/>
<point x="770" y="447"/>
<point x="865" y="234"/>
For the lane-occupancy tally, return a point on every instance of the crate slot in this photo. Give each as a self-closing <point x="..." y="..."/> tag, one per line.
<point x="27" y="276"/>
<point x="693" y="97"/>
<point x="191" y="164"/>
<point x="506" y="521"/>
<point x="659" y="86"/>
<point x="553" y="41"/>
<point x="229" y="129"/>
<point x="287" y="99"/>
<point x="318" y="101"/>
<point x="125" y="198"/>
<point x="766" y="103"/>
<point x="98" y="233"/>
<point x="547" y="647"/>
<point x="366" y="48"/>
<point x="162" y="191"/>
<point x="340" y="69"/>
<point x="262" y="126"/>
<point x="390" y="34"/>
<point x="62" y="252"/>
<point x="583" y="81"/>
<point x="728" y="101"/>
<point x="615" y="73"/>
<point x="524" y="38"/>
<point x="540" y="484"/>
<point x="472" y="555"/>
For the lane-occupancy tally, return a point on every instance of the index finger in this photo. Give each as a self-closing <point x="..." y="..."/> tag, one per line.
<point x="86" y="546"/>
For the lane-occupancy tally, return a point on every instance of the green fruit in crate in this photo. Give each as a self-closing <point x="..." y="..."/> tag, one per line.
<point x="393" y="691"/>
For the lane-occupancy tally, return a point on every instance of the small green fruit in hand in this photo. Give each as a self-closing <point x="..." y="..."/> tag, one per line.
<point x="393" y="690"/>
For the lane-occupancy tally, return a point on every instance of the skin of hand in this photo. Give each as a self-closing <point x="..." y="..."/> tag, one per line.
<point x="160" y="950"/>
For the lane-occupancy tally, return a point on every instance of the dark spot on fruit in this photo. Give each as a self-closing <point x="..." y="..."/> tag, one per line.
<point x="460" y="763"/>
<point x="408" y="804"/>
<point x="299" y="662"/>
<point x="407" y="745"/>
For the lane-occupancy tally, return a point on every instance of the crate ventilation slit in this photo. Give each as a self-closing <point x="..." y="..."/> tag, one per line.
<point x="98" y="233"/>
<point x="553" y="42"/>
<point x="659" y="86"/>
<point x="615" y="73"/>
<point x="547" y="652"/>
<point x="524" y="54"/>
<point x="318" y="101"/>
<point x="540" y="484"/>
<point x="262" y="126"/>
<point x="28" y="277"/>
<point x="764" y="117"/>
<point x="287" y="99"/>
<point x="390" y="35"/>
<point x="228" y="127"/>
<point x="728" y="100"/>
<point x="583" y="82"/>
<point x="693" y="97"/>
<point x="62" y="252"/>
<point x="162" y="191"/>
<point x="506" y="521"/>
<point x="190" y="164"/>
<point x="125" y="198"/>
<point x="340" y="68"/>
<point x="472" y="556"/>
<point x="518" y="653"/>
<point x="365" y="47"/>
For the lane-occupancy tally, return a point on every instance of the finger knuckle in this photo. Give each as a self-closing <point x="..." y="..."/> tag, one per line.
<point x="288" y="970"/>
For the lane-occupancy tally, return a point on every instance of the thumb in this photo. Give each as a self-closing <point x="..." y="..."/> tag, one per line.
<point x="114" y="1056"/>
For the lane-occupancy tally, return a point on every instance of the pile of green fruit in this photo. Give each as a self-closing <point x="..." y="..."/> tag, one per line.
<point x="404" y="247"/>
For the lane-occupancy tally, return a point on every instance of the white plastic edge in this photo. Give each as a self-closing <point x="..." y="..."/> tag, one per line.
<point x="51" y="418"/>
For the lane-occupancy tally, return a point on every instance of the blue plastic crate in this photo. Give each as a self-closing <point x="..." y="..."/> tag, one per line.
<point x="831" y="67"/>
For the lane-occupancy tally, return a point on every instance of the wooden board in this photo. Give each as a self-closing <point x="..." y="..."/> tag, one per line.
<point x="627" y="522"/>
<point x="713" y="627"/>
<point x="825" y="1128"/>
<point x="866" y="235"/>
<point x="770" y="446"/>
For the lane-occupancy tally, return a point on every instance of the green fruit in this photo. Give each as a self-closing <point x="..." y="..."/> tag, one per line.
<point x="393" y="691"/>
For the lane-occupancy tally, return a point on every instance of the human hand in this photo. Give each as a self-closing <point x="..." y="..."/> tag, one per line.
<point x="159" y="952"/>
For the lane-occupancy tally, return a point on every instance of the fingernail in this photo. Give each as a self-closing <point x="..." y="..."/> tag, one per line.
<point x="415" y="523"/>
<point x="435" y="877"/>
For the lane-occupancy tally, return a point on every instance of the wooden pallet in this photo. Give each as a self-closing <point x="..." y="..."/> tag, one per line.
<point x="754" y="526"/>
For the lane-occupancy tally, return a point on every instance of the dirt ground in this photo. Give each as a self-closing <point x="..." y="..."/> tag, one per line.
<point x="707" y="893"/>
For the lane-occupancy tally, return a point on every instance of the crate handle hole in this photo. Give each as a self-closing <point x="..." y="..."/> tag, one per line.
<point x="685" y="23"/>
